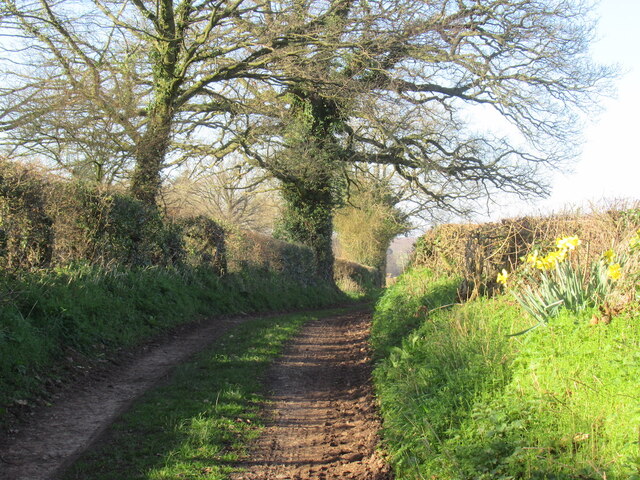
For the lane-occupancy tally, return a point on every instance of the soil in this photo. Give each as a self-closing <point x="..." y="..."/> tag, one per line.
<point x="323" y="421"/>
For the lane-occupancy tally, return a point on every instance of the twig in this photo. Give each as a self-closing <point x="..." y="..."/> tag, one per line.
<point x="442" y="306"/>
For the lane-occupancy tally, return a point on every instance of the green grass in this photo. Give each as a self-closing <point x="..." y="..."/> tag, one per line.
<point x="463" y="400"/>
<point x="403" y="307"/>
<point x="198" y="425"/>
<point x="48" y="315"/>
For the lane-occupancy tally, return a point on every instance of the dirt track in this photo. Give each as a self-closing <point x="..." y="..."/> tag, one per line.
<point x="323" y="420"/>
<point x="324" y="424"/>
<point x="56" y="436"/>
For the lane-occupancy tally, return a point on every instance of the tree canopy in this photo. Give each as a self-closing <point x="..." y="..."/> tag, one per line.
<point x="157" y="71"/>
<point x="317" y="93"/>
<point x="388" y="85"/>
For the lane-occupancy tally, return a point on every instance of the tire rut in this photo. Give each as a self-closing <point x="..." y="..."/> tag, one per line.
<point x="323" y="420"/>
<point x="323" y="424"/>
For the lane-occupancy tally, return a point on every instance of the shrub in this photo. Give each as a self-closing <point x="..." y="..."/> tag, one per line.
<point x="204" y="242"/>
<point x="26" y="232"/>
<point x="257" y="251"/>
<point x="442" y="248"/>
<point x="479" y="252"/>
<point x="109" y="227"/>
<point x="46" y="221"/>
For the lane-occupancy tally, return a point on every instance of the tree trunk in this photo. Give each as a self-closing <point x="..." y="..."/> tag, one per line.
<point x="308" y="219"/>
<point x="150" y="153"/>
<point x="153" y="146"/>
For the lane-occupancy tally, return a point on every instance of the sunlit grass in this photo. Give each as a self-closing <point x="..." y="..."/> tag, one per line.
<point x="92" y="312"/>
<point x="463" y="400"/>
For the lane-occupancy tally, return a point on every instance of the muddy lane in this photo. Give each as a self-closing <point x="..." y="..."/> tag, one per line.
<point x="323" y="421"/>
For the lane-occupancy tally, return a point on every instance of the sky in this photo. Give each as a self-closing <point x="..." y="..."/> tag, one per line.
<point x="609" y="165"/>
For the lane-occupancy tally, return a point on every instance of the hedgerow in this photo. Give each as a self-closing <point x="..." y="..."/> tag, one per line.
<point x="86" y="271"/>
<point x="478" y="252"/>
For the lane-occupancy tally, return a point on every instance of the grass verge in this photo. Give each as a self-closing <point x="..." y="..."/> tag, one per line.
<point x="199" y="424"/>
<point x="49" y="316"/>
<point x="462" y="400"/>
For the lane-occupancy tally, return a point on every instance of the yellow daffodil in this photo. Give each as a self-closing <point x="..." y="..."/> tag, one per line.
<point x="567" y="243"/>
<point x="614" y="271"/>
<point x="635" y="242"/>
<point x="545" y="263"/>
<point x="559" y="255"/>
<point x="608" y="256"/>
<point x="503" y="277"/>
<point x="532" y="258"/>
<point x="551" y="260"/>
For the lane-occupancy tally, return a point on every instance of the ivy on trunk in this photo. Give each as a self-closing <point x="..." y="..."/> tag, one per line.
<point x="308" y="219"/>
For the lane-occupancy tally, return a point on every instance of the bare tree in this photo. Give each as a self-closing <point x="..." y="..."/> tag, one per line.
<point x="392" y="84"/>
<point x="230" y="192"/>
<point x="313" y="90"/>
<point x="188" y="57"/>
<point x="67" y="132"/>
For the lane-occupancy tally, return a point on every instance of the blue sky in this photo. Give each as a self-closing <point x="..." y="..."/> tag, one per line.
<point x="609" y="166"/>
